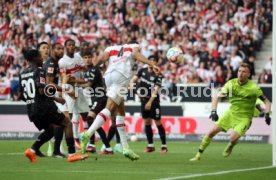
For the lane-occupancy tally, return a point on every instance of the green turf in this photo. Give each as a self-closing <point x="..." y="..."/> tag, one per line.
<point x="151" y="166"/>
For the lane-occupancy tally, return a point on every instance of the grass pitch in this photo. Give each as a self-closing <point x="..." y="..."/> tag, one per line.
<point x="173" y="165"/>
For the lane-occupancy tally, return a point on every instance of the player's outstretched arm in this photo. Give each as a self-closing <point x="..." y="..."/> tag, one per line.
<point x="133" y="81"/>
<point x="138" y="56"/>
<point x="102" y="58"/>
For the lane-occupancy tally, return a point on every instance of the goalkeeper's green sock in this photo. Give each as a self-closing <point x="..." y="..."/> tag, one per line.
<point x="204" y="143"/>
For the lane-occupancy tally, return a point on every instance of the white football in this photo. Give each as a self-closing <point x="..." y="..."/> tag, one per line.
<point x="133" y="138"/>
<point x="175" y="55"/>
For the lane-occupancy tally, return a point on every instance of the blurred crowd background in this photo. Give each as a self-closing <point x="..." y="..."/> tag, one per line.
<point x="215" y="35"/>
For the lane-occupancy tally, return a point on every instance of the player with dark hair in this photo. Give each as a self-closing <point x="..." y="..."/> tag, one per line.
<point x="95" y="81"/>
<point x="44" y="50"/>
<point x="73" y="65"/>
<point x="150" y="103"/>
<point x="242" y="94"/>
<point x="52" y="73"/>
<point x="117" y="76"/>
<point x="41" y="108"/>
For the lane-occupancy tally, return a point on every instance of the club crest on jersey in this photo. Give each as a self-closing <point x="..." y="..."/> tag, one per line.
<point x="50" y="70"/>
<point x="151" y="78"/>
<point x="42" y="80"/>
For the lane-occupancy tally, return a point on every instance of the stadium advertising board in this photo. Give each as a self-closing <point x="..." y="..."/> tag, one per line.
<point x="189" y="127"/>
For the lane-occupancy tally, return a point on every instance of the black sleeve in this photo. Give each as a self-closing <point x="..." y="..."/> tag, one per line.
<point x="21" y="90"/>
<point x="158" y="80"/>
<point x="139" y="74"/>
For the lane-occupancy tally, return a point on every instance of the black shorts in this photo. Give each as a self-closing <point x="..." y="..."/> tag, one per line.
<point x="153" y="113"/>
<point x="43" y="120"/>
<point x="98" y="104"/>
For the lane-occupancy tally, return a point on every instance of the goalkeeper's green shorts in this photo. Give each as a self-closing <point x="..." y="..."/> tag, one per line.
<point x="239" y="124"/>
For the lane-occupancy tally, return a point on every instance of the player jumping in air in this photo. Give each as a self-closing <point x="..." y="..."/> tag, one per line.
<point x="117" y="76"/>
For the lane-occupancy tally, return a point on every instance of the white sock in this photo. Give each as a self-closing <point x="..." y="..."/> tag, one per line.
<point x="150" y="145"/>
<point x="99" y="121"/>
<point x="120" y="123"/>
<point x="75" y="125"/>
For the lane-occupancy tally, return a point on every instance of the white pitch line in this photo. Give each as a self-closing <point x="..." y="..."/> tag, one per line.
<point x="217" y="173"/>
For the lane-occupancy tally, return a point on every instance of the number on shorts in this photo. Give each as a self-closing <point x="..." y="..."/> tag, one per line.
<point x="157" y="111"/>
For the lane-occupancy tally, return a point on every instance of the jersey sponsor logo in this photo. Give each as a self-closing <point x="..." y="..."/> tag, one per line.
<point x="42" y="80"/>
<point x="50" y="70"/>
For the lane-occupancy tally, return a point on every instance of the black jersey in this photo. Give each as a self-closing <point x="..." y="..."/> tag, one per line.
<point x="147" y="82"/>
<point x="94" y="75"/>
<point x="31" y="80"/>
<point x="51" y="69"/>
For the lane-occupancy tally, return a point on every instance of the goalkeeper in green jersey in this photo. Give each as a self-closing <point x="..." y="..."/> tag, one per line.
<point x="242" y="94"/>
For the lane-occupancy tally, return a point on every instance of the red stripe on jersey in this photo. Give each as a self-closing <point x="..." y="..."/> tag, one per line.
<point x="74" y="69"/>
<point x="127" y="49"/>
<point x="115" y="52"/>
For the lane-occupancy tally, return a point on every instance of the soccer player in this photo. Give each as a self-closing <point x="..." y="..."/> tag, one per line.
<point x="52" y="73"/>
<point x="94" y="79"/>
<point x="150" y="103"/>
<point x="242" y="94"/>
<point x="117" y="76"/>
<point x="73" y="65"/>
<point x="41" y="109"/>
<point x="76" y="116"/>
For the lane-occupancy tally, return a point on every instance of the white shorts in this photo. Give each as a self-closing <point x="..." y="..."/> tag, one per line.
<point x="78" y="105"/>
<point x="116" y="86"/>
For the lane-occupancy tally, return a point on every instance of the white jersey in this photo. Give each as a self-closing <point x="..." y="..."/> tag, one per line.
<point x="121" y="59"/>
<point x="71" y="66"/>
